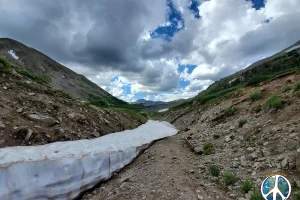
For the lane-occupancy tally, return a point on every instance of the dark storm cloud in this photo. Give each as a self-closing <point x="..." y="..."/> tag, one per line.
<point x="109" y="39"/>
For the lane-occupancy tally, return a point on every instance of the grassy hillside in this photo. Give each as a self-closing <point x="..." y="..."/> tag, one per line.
<point x="274" y="67"/>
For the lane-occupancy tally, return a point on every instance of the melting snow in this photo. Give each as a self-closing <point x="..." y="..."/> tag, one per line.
<point x="12" y="53"/>
<point x="163" y="110"/>
<point x="293" y="48"/>
<point x="63" y="170"/>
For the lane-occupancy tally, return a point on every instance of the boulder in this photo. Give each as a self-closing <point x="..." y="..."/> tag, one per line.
<point x="46" y="120"/>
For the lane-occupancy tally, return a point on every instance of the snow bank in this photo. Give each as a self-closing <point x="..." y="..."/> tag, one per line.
<point x="163" y="110"/>
<point x="293" y="48"/>
<point x="12" y="53"/>
<point x="62" y="170"/>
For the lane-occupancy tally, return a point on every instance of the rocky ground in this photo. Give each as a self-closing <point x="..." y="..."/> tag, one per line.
<point x="250" y="143"/>
<point x="35" y="114"/>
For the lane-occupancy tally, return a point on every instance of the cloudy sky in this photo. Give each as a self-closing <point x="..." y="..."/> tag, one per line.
<point x="153" y="49"/>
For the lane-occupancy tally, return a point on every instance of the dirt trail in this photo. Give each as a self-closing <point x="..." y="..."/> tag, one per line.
<point x="167" y="170"/>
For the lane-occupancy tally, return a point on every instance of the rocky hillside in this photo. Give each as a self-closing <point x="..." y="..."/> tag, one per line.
<point x="54" y="74"/>
<point x="244" y="134"/>
<point x="33" y="112"/>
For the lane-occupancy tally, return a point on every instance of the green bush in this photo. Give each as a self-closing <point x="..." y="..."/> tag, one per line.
<point x="229" y="178"/>
<point x="273" y="102"/>
<point x="214" y="170"/>
<point x="257" y="79"/>
<point x="98" y="102"/>
<point x="6" y="65"/>
<point x="207" y="148"/>
<point x="230" y="111"/>
<point x="297" y="87"/>
<point x="296" y="195"/>
<point x="242" y="122"/>
<point x="35" y="77"/>
<point x="256" y="196"/>
<point x="255" y="95"/>
<point x="247" y="185"/>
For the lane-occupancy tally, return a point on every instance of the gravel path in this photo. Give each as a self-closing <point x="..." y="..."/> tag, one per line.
<point x="167" y="170"/>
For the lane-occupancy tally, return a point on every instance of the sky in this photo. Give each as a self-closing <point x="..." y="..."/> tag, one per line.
<point x="159" y="50"/>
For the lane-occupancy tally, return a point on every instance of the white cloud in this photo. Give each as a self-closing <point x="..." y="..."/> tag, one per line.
<point x="229" y="35"/>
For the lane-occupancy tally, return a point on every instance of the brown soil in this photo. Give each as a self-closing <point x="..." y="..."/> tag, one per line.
<point x="167" y="170"/>
<point x="72" y="119"/>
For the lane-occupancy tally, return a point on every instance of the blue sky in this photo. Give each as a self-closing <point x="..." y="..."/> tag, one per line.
<point x="154" y="49"/>
<point x="174" y="23"/>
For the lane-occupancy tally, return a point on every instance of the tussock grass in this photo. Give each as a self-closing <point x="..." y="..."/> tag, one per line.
<point x="255" y="95"/>
<point x="230" y="111"/>
<point x="273" y="102"/>
<point x="229" y="178"/>
<point x="207" y="148"/>
<point x="214" y="170"/>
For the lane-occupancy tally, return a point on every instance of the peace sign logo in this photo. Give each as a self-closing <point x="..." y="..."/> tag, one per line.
<point x="276" y="187"/>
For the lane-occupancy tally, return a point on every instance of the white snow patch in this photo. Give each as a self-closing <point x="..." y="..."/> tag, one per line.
<point x="293" y="48"/>
<point x="63" y="170"/>
<point x="163" y="110"/>
<point x="13" y="54"/>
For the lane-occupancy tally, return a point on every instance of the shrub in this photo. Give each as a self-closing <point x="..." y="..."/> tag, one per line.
<point x="242" y="122"/>
<point x="229" y="178"/>
<point x="257" y="109"/>
<point x="256" y="196"/>
<point x="230" y="111"/>
<point x="297" y="87"/>
<point x="254" y="96"/>
<point x="273" y="102"/>
<point x="247" y="185"/>
<point x="214" y="170"/>
<point x="207" y="148"/>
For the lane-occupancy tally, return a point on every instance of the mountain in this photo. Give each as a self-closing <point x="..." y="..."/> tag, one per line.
<point x="148" y="103"/>
<point x="31" y="61"/>
<point x="282" y="63"/>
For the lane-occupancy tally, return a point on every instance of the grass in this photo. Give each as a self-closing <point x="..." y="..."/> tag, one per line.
<point x="63" y="94"/>
<point x="296" y="195"/>
<point x="287" y="88"/>
<point x="242" y="122"/>
<point x="230" y="111"/>
<point x="207" y="148"/>
<point x="255" y="95"/>
<point x="229" y="178"/>
<point x="42" y="79"/>
<point x="247" y="185"/>
<point x="256" y="196"/>
<point x="257" y="109"/>
<point x="98" y="102"/>
<point x="296" y="87"/>
<point x="6" y="65"/>
<point x="214" y="170"/>
<point x="273" y="102"/>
